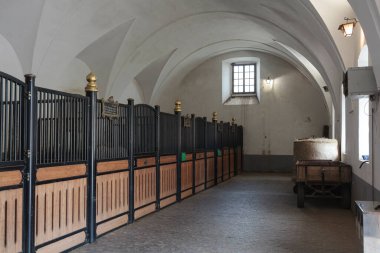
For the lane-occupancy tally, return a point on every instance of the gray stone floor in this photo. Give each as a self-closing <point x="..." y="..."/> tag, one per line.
<point x="250" y="213"/>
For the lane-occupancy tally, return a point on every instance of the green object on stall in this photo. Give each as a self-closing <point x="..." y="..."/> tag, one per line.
<point x="183" y="156"/>
<point x="219" y="152"/>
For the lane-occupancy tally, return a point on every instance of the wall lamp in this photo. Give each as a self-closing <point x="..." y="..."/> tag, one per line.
<point x="348" y="27"/>
<point x="269" y="82"/>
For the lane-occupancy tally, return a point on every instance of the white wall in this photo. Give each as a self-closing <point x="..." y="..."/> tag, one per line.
<point x="294" y="108"/>
<point x="351" y="156"/>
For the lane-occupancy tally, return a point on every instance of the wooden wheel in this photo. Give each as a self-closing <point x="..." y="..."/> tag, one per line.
<point x="300" y="195"/>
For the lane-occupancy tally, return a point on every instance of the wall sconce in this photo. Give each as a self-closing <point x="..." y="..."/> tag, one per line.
<point x="269" y="83"/>
<point x="348" y="27"/>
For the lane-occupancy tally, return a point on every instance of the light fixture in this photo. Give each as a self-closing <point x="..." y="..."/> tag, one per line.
<point x="269" y="82"/>
<point x="348" y="27"/>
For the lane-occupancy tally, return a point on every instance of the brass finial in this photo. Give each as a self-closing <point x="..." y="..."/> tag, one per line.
<point x="91" y="85"/>
<point x="233" y="120"/>
<point x="214" y="117"/>
<point x="178" y="107"/>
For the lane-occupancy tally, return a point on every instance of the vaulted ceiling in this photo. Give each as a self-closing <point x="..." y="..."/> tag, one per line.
<point x="143" y="47"/>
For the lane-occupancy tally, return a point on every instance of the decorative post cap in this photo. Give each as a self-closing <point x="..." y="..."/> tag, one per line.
<point x="214" y="117"/>
<point x="91" y="85"/>
<point x="178" y="107"/>
<point x="233" y="120"/>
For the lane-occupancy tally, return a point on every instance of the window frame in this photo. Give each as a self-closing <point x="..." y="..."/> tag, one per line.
<point x="244" y="93"/>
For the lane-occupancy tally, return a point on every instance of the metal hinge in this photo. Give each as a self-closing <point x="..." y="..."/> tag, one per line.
<point x="27" y="176"/>
<point x="27" y="153"/>
<point x="28" y="95"/>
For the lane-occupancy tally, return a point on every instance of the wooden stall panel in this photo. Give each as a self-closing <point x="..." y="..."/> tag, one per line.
<point x="239" y="161"/>
<point x="199" y="155"/>
<point x="112" y="191"/>
<point x="199" y="172"/>
<point x="60" y="209"/>
<point x="11" y="221"/>
<point x="9" y="178"/>
<point x="112" y="166"/>
<point x="60" y="172"/>
<point x="168" y="159"/>
<point x="210" y="171"/>
<point x="220" y="168"/>
<point x="232" y="162"/>
<point x="144" y="162"/>
<point x="168" y="180"/>
<point x="145" y="186"/>
<point x="186" y="175"/>
<point x="226" y="165"/>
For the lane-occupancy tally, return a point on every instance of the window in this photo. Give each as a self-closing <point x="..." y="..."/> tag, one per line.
<point x="243" y="79"/>
<point x="364" y="115"/>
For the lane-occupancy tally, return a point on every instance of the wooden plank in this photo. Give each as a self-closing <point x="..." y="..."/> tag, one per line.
<point x="168" y="180"/>
<point x="145" y="211"/>
<point x="112" y="224"/>
<point x="209" y="184"/>
<point x="60" y="172"/>
<point x="145" y="162"/>
<point x="168" y="159"/>
<point x="200" y="188"/>
<point x="145" y="186"/>
<point x="187" y="193"/>
<point x="9" y="178"/>
<point x="168" y="201"/>
<point x="186" y="175"/>
<point x="60" y="209"/>
<point x="64" y="244"/>
<point x="200" y="155"/>
<point x="11" y="220"/>
<point x="112" y="166"/>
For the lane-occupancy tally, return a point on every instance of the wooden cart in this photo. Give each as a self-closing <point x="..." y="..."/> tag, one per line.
<point x="322" y="178"/>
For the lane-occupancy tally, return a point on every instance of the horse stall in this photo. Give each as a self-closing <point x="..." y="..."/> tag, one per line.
<point x="168" y="159"/>
<point x="200" y="154"/>
<point x="73" y="167"/>
<point x="210" y="155"/>
<point x="112" y="169"/>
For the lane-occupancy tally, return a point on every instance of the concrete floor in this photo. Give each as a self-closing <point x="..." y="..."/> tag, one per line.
<point x="250" y="213"/>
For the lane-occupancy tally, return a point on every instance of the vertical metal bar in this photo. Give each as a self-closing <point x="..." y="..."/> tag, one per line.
<point x="179" y="154"/>
<point x="131" y="124"/>
<point x="157" y="150"/>
<point x="193" y="133"/>
<point x="2" y="133"/>
<point x="205" y="148"/>
<point x="6" y="122"/>
<point x="11" y="120"/>
<point x="29" y="170"/>
<point x="91" y="156"/>
<point x="215" y="147"/>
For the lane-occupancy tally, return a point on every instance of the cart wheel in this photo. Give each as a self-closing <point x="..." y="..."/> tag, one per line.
<point x="300" y="195"/>
<point x="346" y="196"/>
<point x="295" y="188"/>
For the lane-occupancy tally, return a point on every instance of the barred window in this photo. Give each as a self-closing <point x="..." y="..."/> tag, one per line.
<point x="243" y="78"/>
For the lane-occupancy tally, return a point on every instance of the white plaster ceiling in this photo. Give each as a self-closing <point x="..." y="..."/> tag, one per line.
<point x="155" y="43"/>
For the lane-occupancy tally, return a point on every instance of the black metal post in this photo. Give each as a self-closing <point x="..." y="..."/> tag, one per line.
<point x="193" y="148"/>
<point x="229" y="151"/>
<point x="222" y="148"/>
<point x="131" y="122"/>
<point x="158" y="175"/>
<point x="234" y="132"/>
<point x="91" y="93"/>
<point x="30" y="163"/>
<point x="215" y="151"/>
<point x="177" y="112"/>
<point x="205" y="150"/>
